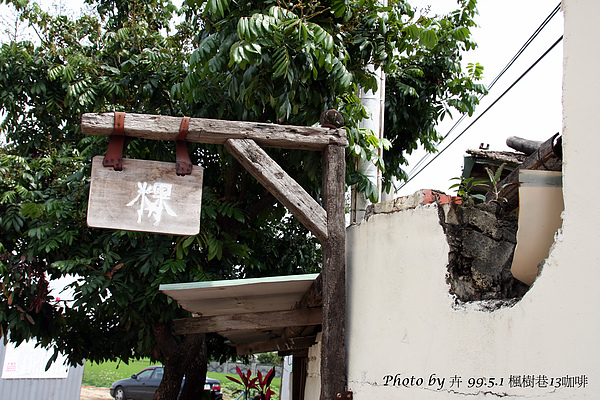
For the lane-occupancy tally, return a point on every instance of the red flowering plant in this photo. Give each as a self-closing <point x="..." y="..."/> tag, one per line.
<point x="258" y="384"/>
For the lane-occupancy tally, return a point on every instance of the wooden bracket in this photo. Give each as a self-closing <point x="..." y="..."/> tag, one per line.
<point x="344" y="396"/>
<point x="184" y="164"/>
<point x="280" y="184"/>
<point x="116" y="144"/>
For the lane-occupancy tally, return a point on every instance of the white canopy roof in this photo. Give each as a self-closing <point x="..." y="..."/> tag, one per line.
<point x="240" y="296"/>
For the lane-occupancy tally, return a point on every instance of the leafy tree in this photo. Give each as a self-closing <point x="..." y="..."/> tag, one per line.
<point x="269" y="358"/>
<point x="287" y="62"/>
<point x="266" y="61"/>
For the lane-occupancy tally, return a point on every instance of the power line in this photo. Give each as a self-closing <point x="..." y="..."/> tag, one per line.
<point x="527" y="43"/>
<point x="506" y="67"/>
<point x="486" y="110"/>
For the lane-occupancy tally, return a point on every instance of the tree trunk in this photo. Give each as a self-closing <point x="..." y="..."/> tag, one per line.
<point x="180" y="358"/>
<point x="171" y="382"/>
<point x="195" y="375"/>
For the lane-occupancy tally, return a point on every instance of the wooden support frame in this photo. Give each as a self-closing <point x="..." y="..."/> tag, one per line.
<point x="548" y="157"/>
<point x="203" y="130"/>
<point x="312" y="298"/>
<point x="299" y="375"/>
<point x="283" y="344"/>
<point x="248" y="321"/>
<point x="327" y="223"/>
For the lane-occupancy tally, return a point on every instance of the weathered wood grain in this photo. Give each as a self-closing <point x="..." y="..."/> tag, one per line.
<point x="280" y="184"/>
<point x="333" y="350"/>
<point x="280" y="344"/>
<point x="248" y="321"/>
<point x="312" y="298"/>
<point x="201" y="130"/>
<point x="146" y="196"/>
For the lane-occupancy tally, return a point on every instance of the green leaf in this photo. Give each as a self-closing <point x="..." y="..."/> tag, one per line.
<point x="413" y="31"/>
<point x="218" y="7"/>
<point x="339" y="8"/>
<point x="429" y="38"/>
<point x="282" y="63"/>
<point x="303" y="31"/>
<point x="461" y="33"/>
<point x="215" y="248"/>
<point x="189" y="241"/>
<point x="322" y="37"/>
<point x="31" y="210"/>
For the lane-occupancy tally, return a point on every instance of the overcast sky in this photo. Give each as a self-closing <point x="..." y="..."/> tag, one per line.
<point x="532" y="109"/>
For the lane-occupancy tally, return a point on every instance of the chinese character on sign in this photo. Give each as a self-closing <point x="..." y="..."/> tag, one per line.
<point x="152" y="198"/>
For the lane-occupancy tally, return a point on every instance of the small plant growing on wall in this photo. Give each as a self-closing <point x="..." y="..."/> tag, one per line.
<point x="493" y="186"/>
<point x="259" y="384"/>
<point x="464" y="188"/>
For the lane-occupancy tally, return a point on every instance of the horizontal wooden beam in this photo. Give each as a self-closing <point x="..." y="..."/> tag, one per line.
<point x="280" y="344"/>
<point x="281" y="185"/>
<point x="203" y="130"/>
<point x="249" y="321"/>
<point x="297" y="353"/>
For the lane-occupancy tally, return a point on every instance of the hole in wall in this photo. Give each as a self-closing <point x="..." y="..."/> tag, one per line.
<point x="482" y="241"/>
<point x="485" y="263"/>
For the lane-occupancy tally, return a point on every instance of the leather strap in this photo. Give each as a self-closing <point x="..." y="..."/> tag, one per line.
<point x="116" y="144"/>
<point x="184" y="164"/>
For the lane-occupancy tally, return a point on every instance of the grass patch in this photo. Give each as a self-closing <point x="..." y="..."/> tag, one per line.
<point x="104" y="374"/>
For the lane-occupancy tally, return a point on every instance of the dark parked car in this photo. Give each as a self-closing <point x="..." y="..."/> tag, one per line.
<point x="143" y="385"/>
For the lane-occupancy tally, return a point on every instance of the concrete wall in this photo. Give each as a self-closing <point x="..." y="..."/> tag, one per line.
<point x="405" y="337"/>
<point x="229" y="367"/>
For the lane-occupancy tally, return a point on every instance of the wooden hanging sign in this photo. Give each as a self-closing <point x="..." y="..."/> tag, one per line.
<point x="145" y="196"/>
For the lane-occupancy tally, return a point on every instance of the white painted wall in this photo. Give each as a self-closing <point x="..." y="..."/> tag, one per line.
<point x="401" y="319"/>
<point x="285" y="392"/>
<point x="402" y="323"/>
<point x="313" y="373"/>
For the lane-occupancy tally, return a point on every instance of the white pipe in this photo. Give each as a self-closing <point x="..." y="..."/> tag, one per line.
<point x="375" y="103"/>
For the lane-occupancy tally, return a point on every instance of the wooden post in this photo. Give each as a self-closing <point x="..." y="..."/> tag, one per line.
<point x="333" y="350"/>
<point x="299" y="374"/>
